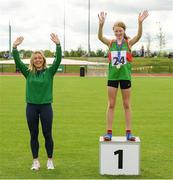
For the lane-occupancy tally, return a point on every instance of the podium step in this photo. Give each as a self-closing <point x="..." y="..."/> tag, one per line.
<point x="119" y="156"/>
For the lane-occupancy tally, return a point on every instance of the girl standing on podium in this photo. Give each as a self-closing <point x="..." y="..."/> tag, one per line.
<point x="120" y="59"/>
<point x="39" y="87"/>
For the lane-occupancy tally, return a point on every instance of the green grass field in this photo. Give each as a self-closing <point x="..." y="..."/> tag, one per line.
<point x="79" y="119"/>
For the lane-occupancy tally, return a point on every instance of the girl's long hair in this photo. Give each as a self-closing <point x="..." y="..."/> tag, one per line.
<point x="122" y="25"/>
<point x="32" y="68"/>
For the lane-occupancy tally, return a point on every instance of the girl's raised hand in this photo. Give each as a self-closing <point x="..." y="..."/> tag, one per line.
<point x="102" y="17"/>
<point x="142" y="16"/>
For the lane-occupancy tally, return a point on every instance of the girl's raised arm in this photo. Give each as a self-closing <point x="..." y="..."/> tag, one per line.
<point x="102" y="17"/>
<point x="141" y="18"/>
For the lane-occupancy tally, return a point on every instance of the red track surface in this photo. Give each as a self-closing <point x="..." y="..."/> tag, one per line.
<point x="136" y="75"/>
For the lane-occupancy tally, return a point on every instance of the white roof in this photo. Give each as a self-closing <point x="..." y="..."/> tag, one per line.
<point x="63" y="62"/>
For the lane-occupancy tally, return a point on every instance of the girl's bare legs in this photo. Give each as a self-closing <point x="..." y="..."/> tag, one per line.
<point x="126" y="94"/>
<point x="126" y="104"/>
<point x="112" y="93"/>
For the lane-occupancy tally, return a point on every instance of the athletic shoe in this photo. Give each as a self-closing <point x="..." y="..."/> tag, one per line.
<point x="107" y="137"/>
<point x="130" y="137"/>
<point x="35" y="165"/>
<point x="50" y="164"/>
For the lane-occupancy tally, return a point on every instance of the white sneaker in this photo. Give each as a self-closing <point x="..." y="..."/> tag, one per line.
<point x="35" y="165"/>
<point x="50" y="164"/>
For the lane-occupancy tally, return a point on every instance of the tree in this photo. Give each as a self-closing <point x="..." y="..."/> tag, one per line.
<point x="92" y="54"/>
<point x="2" y="54"/>
<point x="72" y="53"/>
<point x="48" y="53"/>
<point x="28" y="53"/>
<point x="66" y="54"/>
<point x="100" y="53"/>
<point x="80" y="52"/>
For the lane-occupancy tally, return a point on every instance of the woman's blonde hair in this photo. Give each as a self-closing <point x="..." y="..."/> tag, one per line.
<point x="122" y="25"/>
<point x="31" y="65"/>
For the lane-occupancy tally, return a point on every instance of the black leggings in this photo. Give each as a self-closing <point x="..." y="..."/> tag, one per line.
<point x="45" y="113"/>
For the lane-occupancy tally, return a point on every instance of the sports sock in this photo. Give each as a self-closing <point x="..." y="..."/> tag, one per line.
<point x="109" y="131"/>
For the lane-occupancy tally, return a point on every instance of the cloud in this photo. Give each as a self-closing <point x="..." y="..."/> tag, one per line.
<point x="127" y="6"/>
<point x="36" y="19"/>
<point x="9" y="6"/>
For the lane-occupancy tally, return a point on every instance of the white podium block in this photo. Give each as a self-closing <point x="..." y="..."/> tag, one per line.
<point x="119" y="156"/>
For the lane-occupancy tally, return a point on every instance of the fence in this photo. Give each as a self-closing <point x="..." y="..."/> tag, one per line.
<point x="99" y="70"/>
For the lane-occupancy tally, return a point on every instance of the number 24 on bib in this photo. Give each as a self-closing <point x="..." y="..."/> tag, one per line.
<point x="118" y="58"/>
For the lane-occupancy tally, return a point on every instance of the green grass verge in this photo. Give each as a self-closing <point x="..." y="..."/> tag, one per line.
<point x="79" y="119"/>
<point x="140" y="65"/>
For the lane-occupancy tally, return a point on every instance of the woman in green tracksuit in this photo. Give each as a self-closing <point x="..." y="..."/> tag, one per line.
<point x="119" y="70"/>
<point x="39" y="85"/>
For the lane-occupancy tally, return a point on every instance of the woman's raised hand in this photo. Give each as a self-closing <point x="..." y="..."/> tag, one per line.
<point x="18" y="41"/>
<point x="102" y="17"/>
<point x="142" y="16"/>
<point x="54" y="38"/>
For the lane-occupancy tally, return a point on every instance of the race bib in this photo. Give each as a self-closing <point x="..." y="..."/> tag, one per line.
<point x="118" y="59"/>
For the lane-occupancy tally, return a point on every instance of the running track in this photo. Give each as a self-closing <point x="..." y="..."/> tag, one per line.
<point x="135" y="75"/>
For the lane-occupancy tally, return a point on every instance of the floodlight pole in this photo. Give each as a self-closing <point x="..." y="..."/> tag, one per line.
<point x="64" y="27"/>
<point x="88" y="27"/>
<point x="9" y="40"/>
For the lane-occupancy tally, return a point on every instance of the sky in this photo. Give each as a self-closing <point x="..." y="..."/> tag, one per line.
<point x="36" y="19"/>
